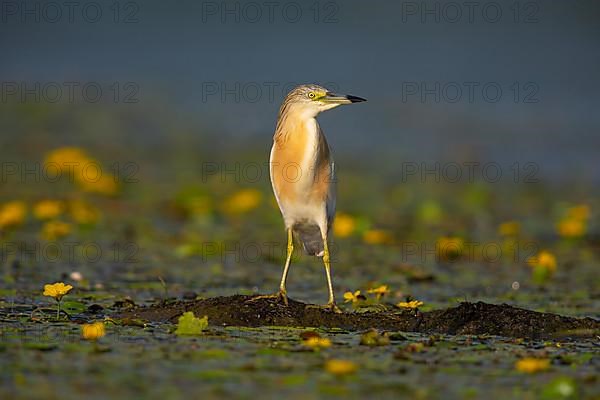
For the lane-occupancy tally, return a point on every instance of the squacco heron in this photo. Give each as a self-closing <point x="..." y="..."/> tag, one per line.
<point x="303" y="175"/>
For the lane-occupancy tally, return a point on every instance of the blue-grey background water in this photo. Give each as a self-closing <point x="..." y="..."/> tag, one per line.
<point x="500" y="82"/>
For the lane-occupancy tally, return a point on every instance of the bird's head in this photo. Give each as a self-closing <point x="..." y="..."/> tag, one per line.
<point x="310" y="100"/>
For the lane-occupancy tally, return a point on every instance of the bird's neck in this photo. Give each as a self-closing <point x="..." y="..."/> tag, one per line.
<point x="295" y="124"/>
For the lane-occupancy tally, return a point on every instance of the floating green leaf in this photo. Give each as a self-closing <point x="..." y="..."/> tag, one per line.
<point x="560" y="388"/>
<point x="189" y="325"/>
<point x="73" y="307"/>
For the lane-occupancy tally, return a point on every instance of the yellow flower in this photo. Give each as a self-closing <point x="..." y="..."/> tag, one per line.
<point x="574" y="223"/>
<point x="580" y="212"/>
<point x="571" y="228"/>
<point x="544" y="259"/>
<point x="105" y="185"/>
<point x="449" y="248"/>
<point x="379" y="291"/>
<point x="509" y="228"/>
<point x="53" y="230"/>
<point x="316" y="342"/>
<point x="344" y="225"/>
<point x="377" y="236"/>
<point x="243" y="201"/>
<point x="532" y="365"/>
<point x="75" y="164"/>
<point x="12" y="213"/>
<point x="410" y="304"/>
<point x="66" y="160"/>
<point x="48" y="209"/>
<point x="93" y="331"/>
<point x="57" y="290"/>
<point x="340" y="367"/>
<point x="353" y="297"/>
<point x="83" y="213"/>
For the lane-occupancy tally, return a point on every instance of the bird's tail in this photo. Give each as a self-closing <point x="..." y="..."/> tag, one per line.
<point x="310" y="236"/>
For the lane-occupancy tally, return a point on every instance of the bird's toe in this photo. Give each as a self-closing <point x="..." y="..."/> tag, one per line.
<point x="332" y="307"/>
<point x="282" y="297"/>
<point x="335" y="308"/>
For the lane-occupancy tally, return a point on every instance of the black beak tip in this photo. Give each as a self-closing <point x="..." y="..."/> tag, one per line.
<point x="355" y="99"/>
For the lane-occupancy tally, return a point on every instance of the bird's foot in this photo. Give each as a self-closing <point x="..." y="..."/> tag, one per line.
<point x="279" y="296"/>
<point x="326" y="307"/>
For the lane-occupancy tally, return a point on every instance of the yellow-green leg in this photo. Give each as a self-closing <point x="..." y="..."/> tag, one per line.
<point x="282" y="294"/>
<point x="288" y="260"/>
<point x="331" y="303"/>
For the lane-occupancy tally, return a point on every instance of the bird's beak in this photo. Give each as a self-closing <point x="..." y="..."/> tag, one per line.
<point x="341" y="99"/>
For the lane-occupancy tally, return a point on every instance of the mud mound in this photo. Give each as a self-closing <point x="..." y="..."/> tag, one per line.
<point x="467" y="318"/>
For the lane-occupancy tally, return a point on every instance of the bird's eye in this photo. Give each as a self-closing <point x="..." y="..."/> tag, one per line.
<point x="311" y="95"/>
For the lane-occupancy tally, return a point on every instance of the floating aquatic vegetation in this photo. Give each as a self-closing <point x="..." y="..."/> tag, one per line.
<point x="83" y="213"/>
<point x="344" y="225"/>
<point x="379" y="291"/>
<point x="316" y="342"/>
<point x="413" y="304"/>
<point x="449" y="248"/>
<point x="57" y="291"/>
<point x="189" y="325"/>
<point x="12" y="214"/>
<point x="543" y="266"/>
<point x="86" y="172"/>
<point x="48" y="209"/>
<point x="373" y="338"/>
<point x="574" y="222"/>
<point x="53" y="230"/>
<point x="509" y="228"/>
<point x="340" y="367"/>
<point x="353" y="297"/>
<point x="377" y="236"/>
<point x="532" y="365"/>
<point x="93" y="331"/>
<point x="243" y="201"/>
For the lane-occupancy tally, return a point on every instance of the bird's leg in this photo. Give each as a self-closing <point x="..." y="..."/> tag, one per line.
<point x="282" y="294"/>
<point x="331" y="303"/>
<point x="288" y="260"/>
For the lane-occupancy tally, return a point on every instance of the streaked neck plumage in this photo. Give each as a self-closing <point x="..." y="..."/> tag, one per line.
<point x="294" y="119"/>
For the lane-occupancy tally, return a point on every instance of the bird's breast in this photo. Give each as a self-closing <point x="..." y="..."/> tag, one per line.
<point x="301" y="166"/>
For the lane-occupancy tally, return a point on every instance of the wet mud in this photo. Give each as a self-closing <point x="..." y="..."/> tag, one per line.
<point x="465" y="319"/>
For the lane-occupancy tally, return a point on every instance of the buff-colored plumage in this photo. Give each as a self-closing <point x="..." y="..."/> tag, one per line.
<point x="303" y="182"/>
<point x="303" y="174"/>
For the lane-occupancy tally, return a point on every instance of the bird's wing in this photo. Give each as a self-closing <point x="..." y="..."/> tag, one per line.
<point x="331" y="194"/>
